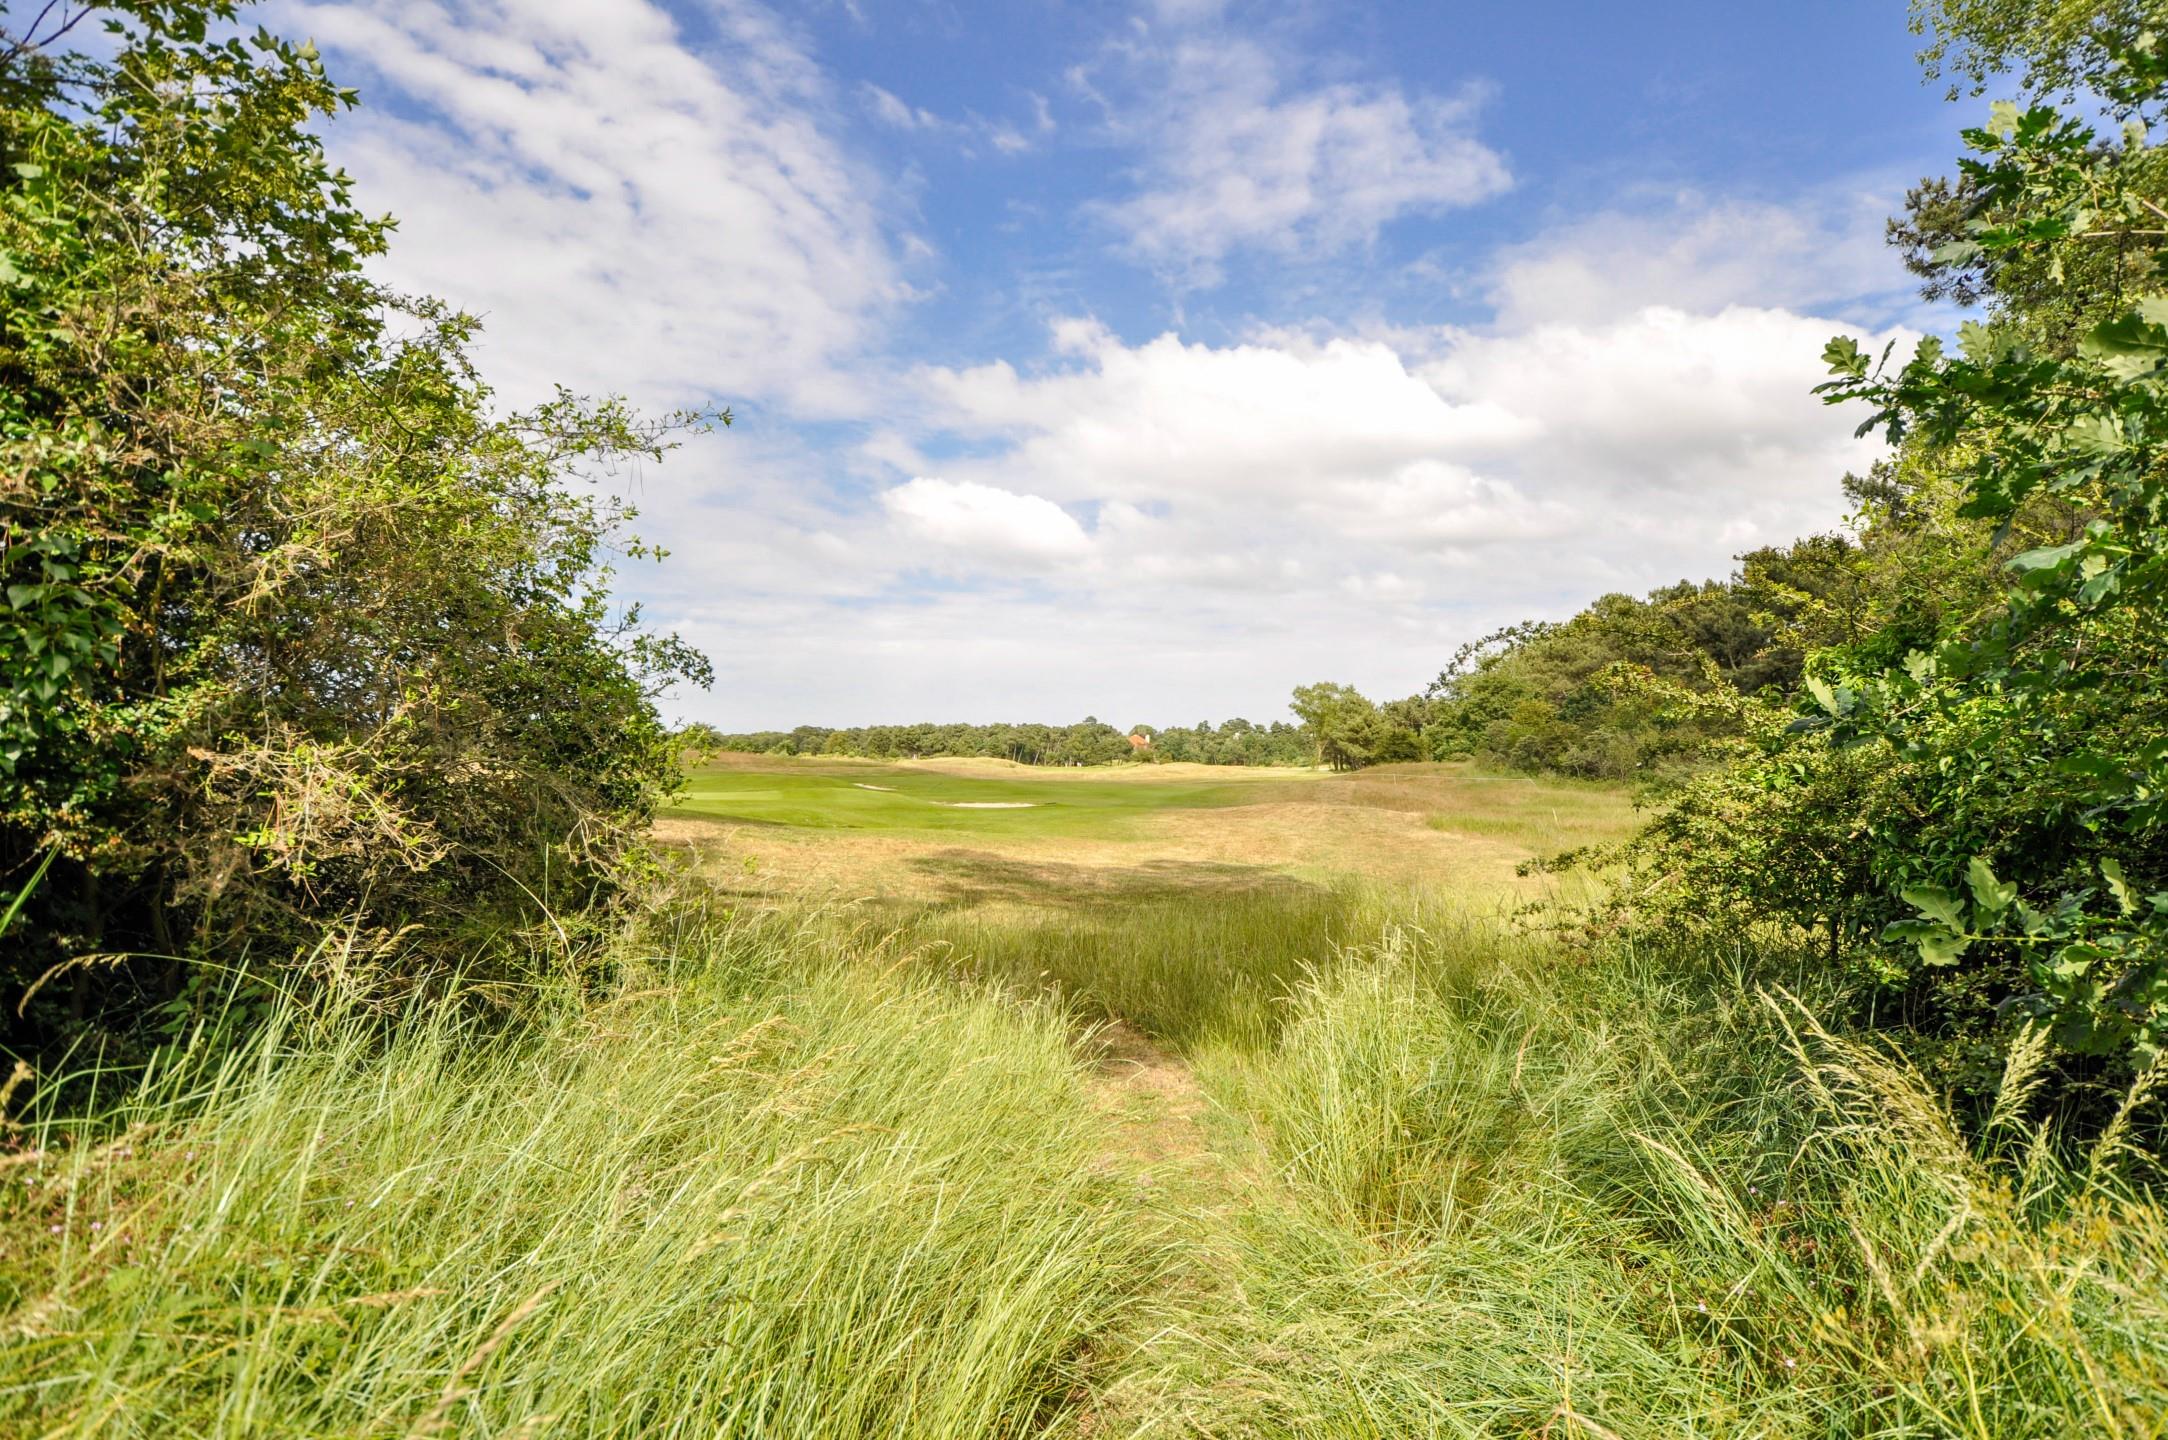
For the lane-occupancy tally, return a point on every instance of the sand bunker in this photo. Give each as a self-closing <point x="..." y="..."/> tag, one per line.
<point x="864" y="786"/>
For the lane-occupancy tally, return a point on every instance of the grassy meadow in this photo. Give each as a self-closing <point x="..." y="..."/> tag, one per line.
<point x="1157" y="1104"/>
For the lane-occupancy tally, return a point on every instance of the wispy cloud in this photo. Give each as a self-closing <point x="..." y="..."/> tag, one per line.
<point x="1234" y="152"/>
<point x="629" y="206"/>
<point x="967" y="133"/>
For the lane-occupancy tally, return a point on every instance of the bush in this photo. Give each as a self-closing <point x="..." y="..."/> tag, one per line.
<point x="296" y="624"/>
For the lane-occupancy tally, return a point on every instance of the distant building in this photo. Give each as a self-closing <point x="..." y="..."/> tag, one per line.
<point x="1140" y="742"/>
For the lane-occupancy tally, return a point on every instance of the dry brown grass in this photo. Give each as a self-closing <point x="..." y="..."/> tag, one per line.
<point x="1430" y="827"/>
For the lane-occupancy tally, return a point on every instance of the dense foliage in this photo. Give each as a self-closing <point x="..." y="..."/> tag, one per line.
<point x="1945" y="755"/>
<point x="297" y="627"/>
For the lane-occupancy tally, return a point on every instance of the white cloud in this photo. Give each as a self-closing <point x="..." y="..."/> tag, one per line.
<point x="889" y="109"/>
<point x="1148" y="528"/>
<point x="627" y="206"/>
<point x="1293" y="507"/>
<point x="983" y="522"/>
<point x="893" y="111"/>
<point x="1168" y="417"/>
<point x="1235" y="157"/>
<point x="1624" y="447"/>
<point x="1692" y="252"/>
<point x="1153" y="528"/>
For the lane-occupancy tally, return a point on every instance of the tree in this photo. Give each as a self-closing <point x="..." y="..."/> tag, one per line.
<point x="1971" y="793"/>
<point x="297" y="626"/>
<point x="2053" y="46"/>
<point x="2065" y="677"/>
<point x="1342" y="724"/>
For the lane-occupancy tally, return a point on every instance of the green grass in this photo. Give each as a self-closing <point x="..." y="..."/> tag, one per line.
<point x="788" y="1177"/>
<point x="762" y="1192"/>
<point x="812" y="796"/>
<point x="1188" y="970"/>
<point x="1516" y="1200"/>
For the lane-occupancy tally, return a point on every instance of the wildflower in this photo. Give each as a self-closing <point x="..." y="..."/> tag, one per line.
<point x="1702" y="1306"/>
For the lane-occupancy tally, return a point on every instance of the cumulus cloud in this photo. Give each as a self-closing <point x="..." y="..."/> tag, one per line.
<point x="1149" y="526"/>
<point x="629" y="206"/>
<point x="1146" y="528"/>
<point x="1390" y="493"/>
<point x="1233" y="155"/>
<point x="1446" y="439"/>
<point x="983" y="522"/>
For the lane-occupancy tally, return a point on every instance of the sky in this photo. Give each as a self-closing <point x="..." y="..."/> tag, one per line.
<point x="1147" y="358"/>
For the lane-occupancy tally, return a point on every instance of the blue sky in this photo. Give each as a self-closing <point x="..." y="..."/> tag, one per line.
<point x="1149" y="359"/>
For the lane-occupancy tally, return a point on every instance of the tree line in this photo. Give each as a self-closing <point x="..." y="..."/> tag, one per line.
<point x="1090" y="741"/>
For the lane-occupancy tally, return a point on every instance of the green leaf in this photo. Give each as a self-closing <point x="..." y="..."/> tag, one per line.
<point x="2111" y="870"/>
<point x="1990" y="897"/>
<point x="1936" y="945"/>
<point x="1842" y="355"/>
<point x="2046" y="557"/>
<point x="2095" y="434"/>
<point x="1978" y="343"/>
<point x="1937" y="904"/>
<point x="2129" y="346"/>
<point x="16" y="902"/>
<point x="2073" y="960"/>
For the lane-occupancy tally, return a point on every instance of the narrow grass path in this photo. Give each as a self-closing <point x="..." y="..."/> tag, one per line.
<point x="1191" y="1187"/>
<point x="1154" y="1100"/>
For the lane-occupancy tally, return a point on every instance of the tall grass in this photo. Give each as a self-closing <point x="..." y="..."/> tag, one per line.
<point x="764" y="1191"/>
<point x="808" y="1182"/>
<point x="1188" y="970"/>
<point x="1521" y="1199"/>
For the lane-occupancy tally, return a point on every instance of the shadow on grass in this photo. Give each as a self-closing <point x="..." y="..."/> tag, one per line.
<point x="1184" y="962"/>
<point x="968" y="879"/>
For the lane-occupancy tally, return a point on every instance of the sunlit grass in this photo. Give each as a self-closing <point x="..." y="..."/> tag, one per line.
<point x="816" y="1173"/>
<point x="907" y="799"/>
<point x="1624" y="1201"/>
<point x="760" y="1192"/>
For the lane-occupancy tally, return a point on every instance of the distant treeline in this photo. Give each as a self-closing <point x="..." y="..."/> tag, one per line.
<point x="1090" y="741"/>
<point x="1629" y="688"/>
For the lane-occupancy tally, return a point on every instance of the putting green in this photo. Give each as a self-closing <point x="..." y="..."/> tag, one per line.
<point x="899" y="798"/>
